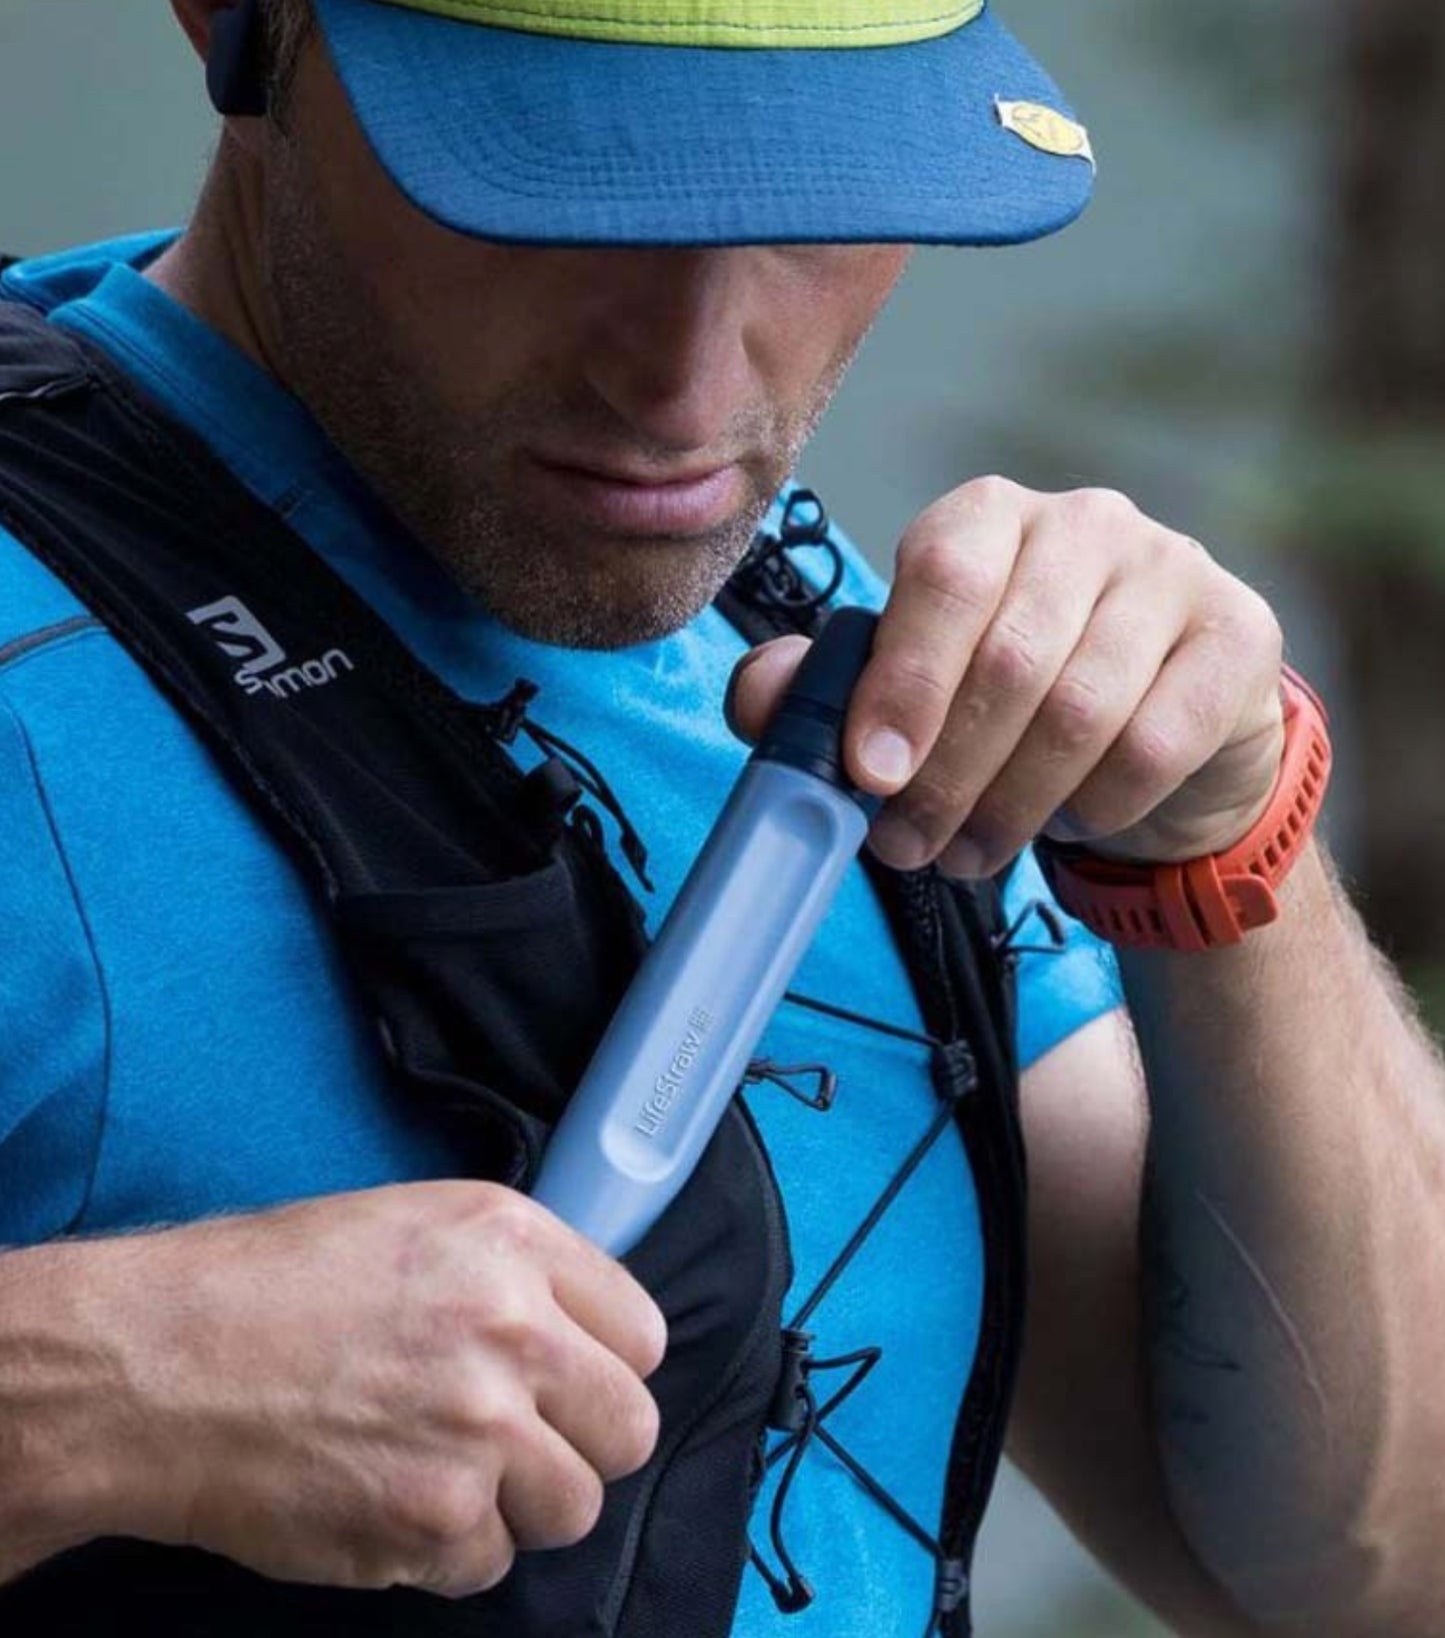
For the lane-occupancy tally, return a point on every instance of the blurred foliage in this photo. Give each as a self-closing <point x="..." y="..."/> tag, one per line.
<point x="1372" y="483"/>
<point x="1376" y="490"/>
<point x="1244" y="59"/>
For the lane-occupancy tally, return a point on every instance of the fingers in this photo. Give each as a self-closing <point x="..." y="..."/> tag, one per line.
<point x="1206" y="727"/>
<point x="583" y="1355"/>
<point x="954" y="567"/>
<point x="596" y="1404"/>
<point x="469" y="1532"/>
<point x="1024" y="784"/>
<point x="610" y="1305"/>
<point x="553" y="1414"/>
<point x="1114" y="768"/>
<point x="1052" y="662"/>
<point x="590" y="1287"/>
<point x="759" y="681"/>
<point x="549" y="1495"/>
<point x="1016" y="663"/>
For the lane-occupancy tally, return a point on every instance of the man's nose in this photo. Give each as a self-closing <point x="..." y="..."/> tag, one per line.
<point x="670" y="344"/>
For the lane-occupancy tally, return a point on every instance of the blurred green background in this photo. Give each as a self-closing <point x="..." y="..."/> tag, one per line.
<point x="1246" y="333"/>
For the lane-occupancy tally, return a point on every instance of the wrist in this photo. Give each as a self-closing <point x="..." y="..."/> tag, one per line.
<point x="54" y="1477"/>
<point x="73" y="1462"/>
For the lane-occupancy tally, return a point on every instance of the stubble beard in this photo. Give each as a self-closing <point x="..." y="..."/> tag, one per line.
<point x="343" y="361"/>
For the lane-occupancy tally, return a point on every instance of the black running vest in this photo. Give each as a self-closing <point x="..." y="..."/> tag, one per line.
<point x="422" y="840"/>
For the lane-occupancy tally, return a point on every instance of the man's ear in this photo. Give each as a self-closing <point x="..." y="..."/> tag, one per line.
<point x="229" y="36"/>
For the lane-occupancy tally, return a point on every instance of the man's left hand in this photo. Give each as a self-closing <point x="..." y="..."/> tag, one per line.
<point x="1057" y="664"/>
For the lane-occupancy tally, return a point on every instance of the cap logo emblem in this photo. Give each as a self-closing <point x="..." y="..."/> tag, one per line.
<point x="1045" y="129"/>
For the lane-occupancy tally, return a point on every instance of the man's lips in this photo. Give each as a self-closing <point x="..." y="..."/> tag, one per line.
<point x="626" y="501"/>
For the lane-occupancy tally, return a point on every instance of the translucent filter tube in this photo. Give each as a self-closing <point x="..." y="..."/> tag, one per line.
<point x="678" y="1044"/>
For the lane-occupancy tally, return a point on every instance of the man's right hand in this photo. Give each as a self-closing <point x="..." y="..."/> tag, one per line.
<point x="397" y="1387"/>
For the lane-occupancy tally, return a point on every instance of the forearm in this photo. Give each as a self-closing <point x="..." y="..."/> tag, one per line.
<point x="1295" y="1269"/>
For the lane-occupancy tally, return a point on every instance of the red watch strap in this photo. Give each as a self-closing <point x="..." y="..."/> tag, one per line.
<point x="1199" y="904"/>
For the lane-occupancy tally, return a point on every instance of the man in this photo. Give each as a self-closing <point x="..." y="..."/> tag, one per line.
<point x="521" y="321"/>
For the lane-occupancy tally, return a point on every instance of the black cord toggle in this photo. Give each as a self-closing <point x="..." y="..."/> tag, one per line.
<point x="789" y="1407"/>
<point x="549" y="793"/>
<point x="1006" y="944"/>
<point x="792" y="1079"/>
<point x="591" y="780"/>
<point x="505" y="716"/>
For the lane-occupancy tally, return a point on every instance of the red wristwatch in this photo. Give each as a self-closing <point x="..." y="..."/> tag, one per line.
<point x="1199" y="904"/>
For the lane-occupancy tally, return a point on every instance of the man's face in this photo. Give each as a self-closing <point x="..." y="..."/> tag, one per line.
<point x="521" y="409"/>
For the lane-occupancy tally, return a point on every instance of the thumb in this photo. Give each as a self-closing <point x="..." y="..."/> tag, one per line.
<point x="758" y="683"/>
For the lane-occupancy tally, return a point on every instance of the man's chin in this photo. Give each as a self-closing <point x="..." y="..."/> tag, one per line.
<point x="620" y="606"/>
<point x="605" y="592"/>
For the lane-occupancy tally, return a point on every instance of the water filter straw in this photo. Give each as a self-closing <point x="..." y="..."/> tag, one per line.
<point x="678" y="1045"/>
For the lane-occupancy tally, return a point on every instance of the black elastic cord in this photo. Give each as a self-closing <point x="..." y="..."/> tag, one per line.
<point x="508" y="716"/>
<point x="590" y="777"/>
<point x="802" y="1419"/>
<point x="792" y="1591"/>
<point x="895" y="1030"/>
<point x="894" y="1509"/>
<point x="910" y="1164"/>
<point x="1006" y="944"/>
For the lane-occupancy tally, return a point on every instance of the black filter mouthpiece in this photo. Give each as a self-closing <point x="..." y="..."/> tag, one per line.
<point x="807" y="730"/>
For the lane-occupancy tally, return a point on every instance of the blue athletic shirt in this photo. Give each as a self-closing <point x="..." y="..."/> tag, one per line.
<point x="177" y="1037"/>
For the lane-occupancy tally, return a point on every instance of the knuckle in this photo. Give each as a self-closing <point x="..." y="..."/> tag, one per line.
<point x="579" y="1503"/>
<point x="1006" y="661"/>
<point x="988" y="493"/>
<point x="535" y="1346"/>
<point x="494" y="1564"/>
<point x="999" y="826"/>
<point x="909" y="678"/>
<point x="937" y="564"/>
<point x="1173" y="548"/>
<point x="1207" y="716"/>
<point x="1240" y="615"/>
<point x="936" y="803"/>
<point x="1145" y="757"/>
<point x="511" y="1322"/>
<point x="505" y="1422"/>
<point x="439" y="1510"/>
<point x="651" y="1338"/>
<point x="512" y="1223"/>
<point x="1074" y="713"/>
<point x="1260" y="625"/>
<point x="639" y="1422"/>
<point x="1098" y="508"/>
<point x="489" y="1411"/>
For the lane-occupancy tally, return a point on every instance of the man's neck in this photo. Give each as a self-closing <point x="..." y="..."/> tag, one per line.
<point x="214" y="268"/>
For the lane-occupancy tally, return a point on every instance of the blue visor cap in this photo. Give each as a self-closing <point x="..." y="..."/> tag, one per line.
<point x="535" y="138"/>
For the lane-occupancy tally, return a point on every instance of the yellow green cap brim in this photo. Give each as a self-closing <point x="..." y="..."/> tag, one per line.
<point x="534" y="135"/>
